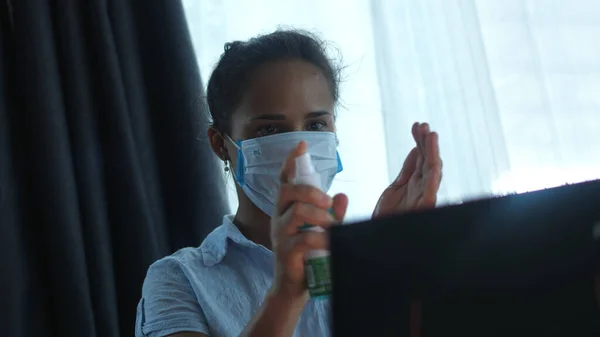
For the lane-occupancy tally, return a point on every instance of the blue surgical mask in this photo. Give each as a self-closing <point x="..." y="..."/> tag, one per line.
<point x="260" y="161"/>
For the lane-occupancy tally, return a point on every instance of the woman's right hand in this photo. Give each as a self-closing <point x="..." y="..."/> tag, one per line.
<point x="298" y="205"/>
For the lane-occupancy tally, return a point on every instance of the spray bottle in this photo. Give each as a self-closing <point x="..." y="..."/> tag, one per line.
<point x="316" y="262"/>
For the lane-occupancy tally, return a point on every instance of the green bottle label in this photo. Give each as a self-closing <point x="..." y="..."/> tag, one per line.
<point x="318" y="277"/>
<point x="317" y="270"/>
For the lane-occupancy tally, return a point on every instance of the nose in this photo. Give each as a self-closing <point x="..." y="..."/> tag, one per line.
<point x="298" y="125"/>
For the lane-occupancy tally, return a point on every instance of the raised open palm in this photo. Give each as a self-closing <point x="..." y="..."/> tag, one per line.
<point x="417" y="184"/>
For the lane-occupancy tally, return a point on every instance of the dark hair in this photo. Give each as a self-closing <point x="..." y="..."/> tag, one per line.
<point x="228" y="81"/>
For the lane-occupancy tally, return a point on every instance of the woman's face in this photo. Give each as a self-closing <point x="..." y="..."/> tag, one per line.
<point x="281" y="97"/>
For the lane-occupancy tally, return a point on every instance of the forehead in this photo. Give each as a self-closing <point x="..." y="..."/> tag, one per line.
<point x="291" y="88"/>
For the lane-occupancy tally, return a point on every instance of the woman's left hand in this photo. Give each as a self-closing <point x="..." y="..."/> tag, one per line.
<point x="417" y="184"/>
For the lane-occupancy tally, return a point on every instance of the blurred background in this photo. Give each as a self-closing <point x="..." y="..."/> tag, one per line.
<point x="511" y="86"/>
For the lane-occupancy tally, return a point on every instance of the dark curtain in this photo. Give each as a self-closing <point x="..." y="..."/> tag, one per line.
<point x="104" y="163"/>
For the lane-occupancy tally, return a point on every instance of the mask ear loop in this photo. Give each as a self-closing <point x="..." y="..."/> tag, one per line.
<point x="241" y="161"/>
<point x="226" y="160"/>
<point x="238" y="145"/>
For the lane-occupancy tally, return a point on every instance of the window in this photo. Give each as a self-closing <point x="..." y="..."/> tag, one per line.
<point x="511" y="86"/>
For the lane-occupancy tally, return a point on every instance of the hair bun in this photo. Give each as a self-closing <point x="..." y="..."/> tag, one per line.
<point x="233" y="46"/>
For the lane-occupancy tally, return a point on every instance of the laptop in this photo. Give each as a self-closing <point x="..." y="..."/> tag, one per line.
<point x="518" y="265"/>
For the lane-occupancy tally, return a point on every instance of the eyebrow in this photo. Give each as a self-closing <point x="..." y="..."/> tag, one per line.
<point x="280" y="117"/>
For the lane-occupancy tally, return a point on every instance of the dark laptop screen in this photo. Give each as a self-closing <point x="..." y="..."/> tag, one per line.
<point x="520" y="264"/>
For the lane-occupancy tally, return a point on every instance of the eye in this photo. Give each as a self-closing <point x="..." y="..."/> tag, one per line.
<point x="268" y="130"/>
<point x="316" y="126"/>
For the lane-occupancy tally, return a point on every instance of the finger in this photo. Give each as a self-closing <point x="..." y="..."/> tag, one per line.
<point x="419" y="170"/>
<point x="415" y="132"/>
<point x="432" y="186"/>
<point x="433" y="173"/>
<point x="432" y="151"/>
<point x="423" y="132"/>
<point x="288" y="171"/>
<point x="300" y="214"/>
<point x="408" y="168"/>
<point x="303" y="242"/>
<point x="432" y="168"/>
<point x="290" y="194"/>
<point x="340" y="205"/>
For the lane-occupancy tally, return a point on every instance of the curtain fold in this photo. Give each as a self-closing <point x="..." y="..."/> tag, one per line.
<point x="104" y="163"/>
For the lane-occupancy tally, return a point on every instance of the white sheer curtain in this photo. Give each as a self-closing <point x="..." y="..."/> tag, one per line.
<point x="513" y="87"/>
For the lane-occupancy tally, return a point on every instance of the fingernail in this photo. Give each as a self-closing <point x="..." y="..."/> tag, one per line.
<point x="328" y="200"/>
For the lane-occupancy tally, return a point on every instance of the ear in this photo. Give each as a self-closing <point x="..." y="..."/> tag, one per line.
<point x="217" y="143"/>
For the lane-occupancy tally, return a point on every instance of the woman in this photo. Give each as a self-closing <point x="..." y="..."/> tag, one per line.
<point x="271" y="99"/>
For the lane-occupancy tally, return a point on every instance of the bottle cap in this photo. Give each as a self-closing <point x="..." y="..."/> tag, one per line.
<point x="304" y="165"/>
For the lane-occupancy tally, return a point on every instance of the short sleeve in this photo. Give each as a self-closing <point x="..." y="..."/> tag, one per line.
<point x="169" y="304"/>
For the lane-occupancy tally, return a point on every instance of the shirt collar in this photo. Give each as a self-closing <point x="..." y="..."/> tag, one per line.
<point x="214" y="247"/>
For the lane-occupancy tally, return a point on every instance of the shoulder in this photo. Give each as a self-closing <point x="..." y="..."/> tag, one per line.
<point x="176" y="265"/>
<point x="169" y="302"/>
<point x="187" y="267"/>
<point x="191" y="260"/>
<point x="171" y="275"/>
<point x="171" y="299"/>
